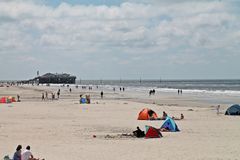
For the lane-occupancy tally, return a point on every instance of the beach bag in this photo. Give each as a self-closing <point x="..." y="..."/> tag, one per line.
<point x="6" y="157"/>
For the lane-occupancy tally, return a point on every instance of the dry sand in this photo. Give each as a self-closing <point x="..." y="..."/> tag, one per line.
<point x="63" y="129"/>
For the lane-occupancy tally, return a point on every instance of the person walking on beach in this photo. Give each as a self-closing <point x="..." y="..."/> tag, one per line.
<point x="102" y="95"/>
<point x="18" y="98"/>
<point x="43" y="96"/>
<point x="150" y="92"/>
<point x="58" y="93"/>
<point x="153" y="91"/>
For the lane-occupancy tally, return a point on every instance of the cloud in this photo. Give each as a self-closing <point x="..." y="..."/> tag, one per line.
<point x="134" y="28"/>
<point x="130" y="24"/>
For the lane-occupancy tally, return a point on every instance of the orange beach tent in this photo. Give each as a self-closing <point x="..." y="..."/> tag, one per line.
<point x="146" y="114"/>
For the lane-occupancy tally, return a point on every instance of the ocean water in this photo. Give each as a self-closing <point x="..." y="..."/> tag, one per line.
<point x="230" y="87"/>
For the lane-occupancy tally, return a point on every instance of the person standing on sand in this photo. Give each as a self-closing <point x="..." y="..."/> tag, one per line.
<point x="102" y="95"/>
<point x="218" y="108"/>
<point x="43" y="96"/>
<point x="53" y="96"/>
<point x="46" y="95"/>
<point x="58" y="93"/>
<point x="18" y="98"/>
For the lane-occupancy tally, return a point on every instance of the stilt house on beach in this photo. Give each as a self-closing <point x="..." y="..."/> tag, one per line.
<point x="55" y="78"/>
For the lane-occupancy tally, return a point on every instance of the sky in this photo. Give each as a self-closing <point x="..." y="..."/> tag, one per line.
<point x="127" y="39"/>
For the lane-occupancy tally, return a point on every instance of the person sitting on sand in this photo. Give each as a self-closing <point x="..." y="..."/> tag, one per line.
<point x="27" y="155"/>
<point x="164" y="116"/>
<point x="138" y="133"/>
<point x="164" y="129"/>
<point x="181" y="117"/>
<point x="151" y="115"/>
<point x="88" y="99"/>
<point x="81" y="99"/>
<point x="17" y="154"/>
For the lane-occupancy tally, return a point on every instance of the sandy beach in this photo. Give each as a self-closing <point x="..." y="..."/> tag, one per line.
<point x="63" y="129"/>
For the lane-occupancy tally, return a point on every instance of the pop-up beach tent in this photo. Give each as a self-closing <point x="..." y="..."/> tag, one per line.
<point x="152" y="132"/>
<point x="146" y="114"/>
<point x="233" y="110"/>
<point x="170" y="125"/>
<point x="83" y="100"/>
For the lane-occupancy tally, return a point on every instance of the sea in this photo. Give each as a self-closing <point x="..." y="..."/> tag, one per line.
<point x="214" y="86"/>
<point x="226" y="87"/>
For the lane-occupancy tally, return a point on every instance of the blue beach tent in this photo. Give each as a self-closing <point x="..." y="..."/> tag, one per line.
<point x="170" y="125"/>
<point x="233" y="110"/>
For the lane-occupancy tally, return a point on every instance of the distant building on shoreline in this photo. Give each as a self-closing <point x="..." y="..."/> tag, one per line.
<point x="63" y="78"/>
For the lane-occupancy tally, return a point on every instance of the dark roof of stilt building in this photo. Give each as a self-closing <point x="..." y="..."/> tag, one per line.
<point x="65" y="75"/>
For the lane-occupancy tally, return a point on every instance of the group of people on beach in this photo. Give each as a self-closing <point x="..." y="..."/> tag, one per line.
<point x="179" y="91"/>
<point x="139" y="133"/>
<point x="164" y="116"/>
<point x="45" y="95"/>
<point x="85" y="100"/>
<point x="152" y="92"/>
<point x="25" y="155"/>
<point x="122" y="89"/>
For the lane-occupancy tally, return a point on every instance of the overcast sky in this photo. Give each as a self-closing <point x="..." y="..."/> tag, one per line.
<point x="112" y="39"/>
